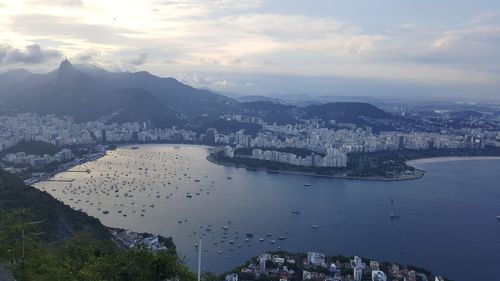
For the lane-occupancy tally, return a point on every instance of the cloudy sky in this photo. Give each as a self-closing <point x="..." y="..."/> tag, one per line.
<point x="448" y="48"/>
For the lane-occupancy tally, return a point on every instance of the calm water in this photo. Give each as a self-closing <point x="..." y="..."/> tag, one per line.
<point x="447" y="219"/>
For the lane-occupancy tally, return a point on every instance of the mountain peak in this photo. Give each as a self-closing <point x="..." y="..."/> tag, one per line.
<point x="65" y="71"/>
<point x="65" y="64"/>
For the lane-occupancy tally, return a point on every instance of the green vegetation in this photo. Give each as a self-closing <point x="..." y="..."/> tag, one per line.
<point x="32" y="147"/>
<point x="390" y="163"/>
<point x="63" y="244"/>
<point x="373" y="165"/>
<point x="302" y="152"/>
<point x="81" y="257"/>
<point x="60" y="221"/>
<point x="274" y="166"/>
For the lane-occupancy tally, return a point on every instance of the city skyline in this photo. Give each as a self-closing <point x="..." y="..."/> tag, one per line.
<point x="388" y="48"/>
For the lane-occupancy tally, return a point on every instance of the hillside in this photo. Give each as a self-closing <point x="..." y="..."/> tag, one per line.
<point x="60" y="221"/>
<point x="342" y="112"/>
<point x="32" y="147"/>
<point x="271" y="112"/>
<point x="346" y="112"/>
<point x="88" y="93"/>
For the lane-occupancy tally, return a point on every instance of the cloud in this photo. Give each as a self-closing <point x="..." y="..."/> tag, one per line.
<point x="485" y="17"/>
<point x="198" y="8"/>
<point x="445" y="41"/>
<point x="58" y="3"/>
<point x="67" y="30"/>
<point x="255" y="37"/>
<point x="31" y="54"/>
<point x="208" y="81"/>
<point x="140" y="60"/>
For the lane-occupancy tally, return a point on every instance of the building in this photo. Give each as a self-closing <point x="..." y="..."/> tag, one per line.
<point x="231" y="277"/>
<point x="316" y="259"/>
<point x="374" y="265"/>
<point x="378" y="275"/>
<point x="228" y="151"/>
<point x="357" y="273"/>
<point x="210" y="136"/>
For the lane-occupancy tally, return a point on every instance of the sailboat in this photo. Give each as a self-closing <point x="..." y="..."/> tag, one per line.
<point x="393" y="216"/>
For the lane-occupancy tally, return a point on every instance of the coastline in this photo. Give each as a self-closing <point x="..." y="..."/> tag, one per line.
<point x="450" y="158"/>
<point x="98" y="155"/>
<point x="420" y="173"/>
<point x="70" y="165"/>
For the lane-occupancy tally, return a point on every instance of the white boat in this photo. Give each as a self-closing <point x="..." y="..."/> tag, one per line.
<point x="498" y="218"/>
<point x="393" y="216"/>
<point x="314" y="226"/>
<point x="307" y="184"/>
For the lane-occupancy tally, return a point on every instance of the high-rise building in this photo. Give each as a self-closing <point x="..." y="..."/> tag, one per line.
<point x="104" y="136"/>
<point x="358" y="273"/>
<point x="401" y="142"/>
<point x="210" y="136"/>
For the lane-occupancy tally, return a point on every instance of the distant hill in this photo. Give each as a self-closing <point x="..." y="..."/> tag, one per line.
<point x="32" y="147"/>
<point x="348" y="112"/>
<point x="272" y="112"/>
<point x="251" y="98"/>
<point x="90" y="92"/>
<point x="342" y="112"/>
<point x="59" y="220"/>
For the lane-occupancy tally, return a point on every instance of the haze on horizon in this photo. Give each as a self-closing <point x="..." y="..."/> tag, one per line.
<point x="448" y="48"/>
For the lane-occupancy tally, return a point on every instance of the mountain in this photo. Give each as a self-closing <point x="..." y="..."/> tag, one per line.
<point x="272" y="112"/>
<point x="251" y="98"/>
<point x="345" y="112"/>
<point x="17" y="80"/>
<point x="88" y="93"/>
<point x="342" y="112"/>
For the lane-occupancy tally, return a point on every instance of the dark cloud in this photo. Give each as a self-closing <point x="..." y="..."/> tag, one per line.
<point x="31" y="54"/>
<point x="140" y="60"/>
<point x="86" y="56"/>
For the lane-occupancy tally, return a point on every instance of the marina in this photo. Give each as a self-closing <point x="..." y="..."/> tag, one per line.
<point x="240" y="213"/>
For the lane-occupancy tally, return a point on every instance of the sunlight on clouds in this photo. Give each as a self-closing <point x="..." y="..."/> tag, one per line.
<point x="445" y="41"/>
<point x="241" y="36"/>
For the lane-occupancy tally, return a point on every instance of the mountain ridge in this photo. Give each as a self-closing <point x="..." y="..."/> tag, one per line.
<point x="88" y="92"/>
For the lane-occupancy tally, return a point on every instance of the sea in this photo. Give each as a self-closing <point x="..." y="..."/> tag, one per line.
<point x="444" y="222"/>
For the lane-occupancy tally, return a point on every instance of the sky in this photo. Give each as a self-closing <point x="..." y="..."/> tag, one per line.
<point x="400" y="48"/>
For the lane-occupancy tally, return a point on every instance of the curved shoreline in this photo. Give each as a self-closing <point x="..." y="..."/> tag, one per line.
<point x="420" y="173"/>
<point x="450" y="158"/>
